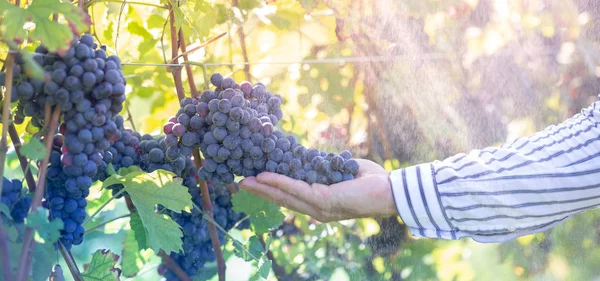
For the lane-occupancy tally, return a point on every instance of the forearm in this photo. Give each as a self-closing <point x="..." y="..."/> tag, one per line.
<point x="497" y="194"/>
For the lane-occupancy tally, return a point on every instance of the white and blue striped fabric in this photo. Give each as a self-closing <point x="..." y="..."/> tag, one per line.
<point x="500" y="193"/>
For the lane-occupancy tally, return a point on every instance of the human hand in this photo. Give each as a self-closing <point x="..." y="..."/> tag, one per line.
<point x="368" y="195"/>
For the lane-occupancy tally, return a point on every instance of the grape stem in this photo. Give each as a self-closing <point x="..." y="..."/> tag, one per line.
<point x="107" y="222"/>
<point x="129" y="116"/>
<point x="70" y="262"/>
<point x="28" y="244"/>
<point x="14" y="136"/>
<point x="171" y="264"/>
<point x="102" y="207"/>
<point x="185" y="53"/>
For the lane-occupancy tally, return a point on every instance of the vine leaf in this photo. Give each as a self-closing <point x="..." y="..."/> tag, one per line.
<point x="5" y="210"/>
<point x="263" y="214"/>
<point x="309" y="5"/>
<point x="264" y="267"/>
<point x="253" y="246"/>
<point x="147" y="190"/>
<point x="34" y="149"/>
<point x="54" y="34"/>
<point x="132" y="260"/>
<point x="46" y="231"/>
<point x="137" y="227"/>
<point x="102" y="267"/>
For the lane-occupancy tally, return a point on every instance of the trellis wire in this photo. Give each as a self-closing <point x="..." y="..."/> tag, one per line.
<point x="338" y="60"/>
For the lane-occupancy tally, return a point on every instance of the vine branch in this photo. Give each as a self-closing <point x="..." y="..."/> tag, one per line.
<point x="70" y="262"/>
<point x="171" y="264"/>
<point x="188" y="68"/>
<point x="175" y="70"/>
<point x="212" y="230"/>
<point x="14" y="136"/>
<point x="28" y="244"/>
<point x="6" y="111"/>
<point x="206" y="204"/>
<point x="242" y="36"/>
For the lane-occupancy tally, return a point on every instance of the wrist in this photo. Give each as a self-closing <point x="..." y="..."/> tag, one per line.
<point x="384" y="199"/>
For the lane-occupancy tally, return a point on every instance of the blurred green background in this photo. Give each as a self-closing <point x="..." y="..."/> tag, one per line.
<point x="398" y="82"/>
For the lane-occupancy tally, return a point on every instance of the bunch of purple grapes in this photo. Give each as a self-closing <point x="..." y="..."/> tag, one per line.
<point x="65" y="194"/>
<point x="13" y="196"/>
<point x="154" y="155"/>
<point x="124" y="152"/>
<point x="234" y="127"/>
<point x="84" y="82"/>
<point x="89" y="89"/>
<point x="197" y="247"/>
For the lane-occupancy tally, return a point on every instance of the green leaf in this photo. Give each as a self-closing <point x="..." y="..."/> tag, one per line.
<point x="112" y="180"/>
<point x="34" y="149"/>
<point x="264" y="267"/>
<point x="263" y="214"/>
<point x="53" y="34"/>
<point x="44" y="255"/>
<point x="13" y="28"/>
<point x="45" y="231"/>
<point x="309" y="5"/>
<point x="5" y="210"/>
<point x="132" y="260"/>
<point x="147" y="190"/>
<point x="127" y="170"/>
<point x="253" y="246"/>
<point x="155" y="21"/>
<point x="137" y="227"/>
<point x="102" y="267"/>
<point x="179" y="15"/>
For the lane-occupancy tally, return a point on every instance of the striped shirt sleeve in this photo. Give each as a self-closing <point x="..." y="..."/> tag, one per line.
<point x="500" y="193"/>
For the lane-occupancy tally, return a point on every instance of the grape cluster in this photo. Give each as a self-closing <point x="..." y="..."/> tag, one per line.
<point x="234" y="127"/>
<point x="84" y="82"/>
<point x="89" y="89"/>
<point x="65" y="194"/>
<point x="124" y="152"/>
<point x="13" y="197"/>
<point x="197" y="247"/>
<point x="196" y="241"/>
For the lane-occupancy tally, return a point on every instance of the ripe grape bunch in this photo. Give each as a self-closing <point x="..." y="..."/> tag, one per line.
<point x="65" y="194"/>
<point x="89" y="89"/>
<point x="234" y="127"/>
<point x="196" y="241"/>
<point x="197" y="247"/>
<point x="84" y="82"/>
<point x="14" y="197"/>
<point x="124" y="152"/>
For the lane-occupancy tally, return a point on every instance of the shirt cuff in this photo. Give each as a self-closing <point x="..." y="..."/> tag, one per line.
<point x="418" y="202"/>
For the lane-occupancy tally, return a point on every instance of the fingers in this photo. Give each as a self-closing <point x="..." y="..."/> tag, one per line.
<point x="368" y="167"/>
<point x="289" y="185"/>
<point x="276" y="196"/>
